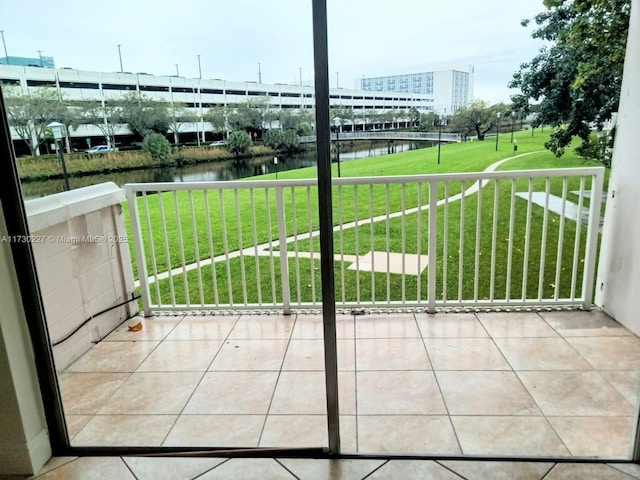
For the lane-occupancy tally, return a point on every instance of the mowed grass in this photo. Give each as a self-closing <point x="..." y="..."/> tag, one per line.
<point x="216" y="222"/>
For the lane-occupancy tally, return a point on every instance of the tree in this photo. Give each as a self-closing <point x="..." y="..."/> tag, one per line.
<point x="217" y="117"/>
<point x="105" y="117"/>
<point x="478" y="117"/>
<point x="282" y="140"/>
<point x="179" y="114"/>
<point x="144" y="114"/>
<point x="239" y="143"/>
<point x="157" y="146"/>
<point x="427" y="121"/>
<point x="576" y="79"/>
<point x="249" y="115"/>
<point x="30" y="113"/>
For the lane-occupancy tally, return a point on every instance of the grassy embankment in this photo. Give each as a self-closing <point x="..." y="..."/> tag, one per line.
<point x="80" y="164"/>
<point x="475" y="156"/>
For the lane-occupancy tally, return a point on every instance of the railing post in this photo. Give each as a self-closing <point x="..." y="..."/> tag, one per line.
<point x="592" y="239"/>
<point x="284" y="259"/>
<point x="433" y="236"/>
<point x="138" y="245"/>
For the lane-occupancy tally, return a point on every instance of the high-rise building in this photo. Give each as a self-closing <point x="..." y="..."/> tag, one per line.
<point x="46" y="62"/>
<point x="450" y="88"/>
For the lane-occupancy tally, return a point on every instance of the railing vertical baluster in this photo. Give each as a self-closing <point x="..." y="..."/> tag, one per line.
<point x="311" y="249"/>
<point x="256" y="256"/>
<point x="296" y="249"/>
<point x="419" y="243"/>
<point x="576" y="246"/>
<point x="196" y="247"/>
<point x="243" y="274"/>
<point x="388" y="243"/>
<point x="223" y="222"/>
<point x="284" y="257"/>
<point x="404" y="242"/>
<point x="527" y="242"/>
<point x="372" y="242"/>
<point x="461" y="250"/>
<point x="476" y="271"/>
<point x="543" y="238"/>
<point x="138" y="245"/>
<point x="433" y="245"/>
<point x="183" y="263"/>
<point x="152" y="249"/>
<point x="357" y="241"/>
<point x="343" y="296"/>
<point x="591" y="247"/>
<point x="445" y="242"/>
<point x="166" y="249"/>
<point x="512" y="218"/>
<point x="560" y="238"/>
<point x="494" y="239"/>
<point x="281" y="235"/>
<point x="212" y="254"/>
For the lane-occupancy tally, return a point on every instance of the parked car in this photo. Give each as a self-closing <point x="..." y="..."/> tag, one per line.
<point x="218" y="143"/>
<point x="100" y="149"/>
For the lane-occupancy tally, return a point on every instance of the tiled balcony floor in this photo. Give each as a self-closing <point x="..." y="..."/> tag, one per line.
<point x="553" y="384"/>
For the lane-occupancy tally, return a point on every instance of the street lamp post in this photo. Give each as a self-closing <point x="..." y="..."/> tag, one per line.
<point x="57" y="129"/>
<point x="199" y="68"/>
<point x="439" y="136"/>
<point x="275" y="162"/>
<point x="6" y="55"/>
<point x="497" y="129"/>
<point x="513" y="119"/>
<point x="338" y="121"/>
<point x="120" y="57"/>
<point x="177" y="70"/>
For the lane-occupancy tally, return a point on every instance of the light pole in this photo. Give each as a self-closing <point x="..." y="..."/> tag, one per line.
<point x="275" y="162"/>
<point x="56" y="129"/>
<point x="259" y="73"/>
<point x="337" y="122"/>
<point x="6" y="55"/>
<point x="120" y="57"/>
<point x="497" y="129"/>
<point x="439" y="136"/>
<point x="177" y="71"/>
<point x="513" y="119"/>
<point x="40" y="55"/>
<point x="199" y="68"/>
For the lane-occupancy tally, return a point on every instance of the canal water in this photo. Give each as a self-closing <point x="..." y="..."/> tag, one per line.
<point x="218" y="171"/>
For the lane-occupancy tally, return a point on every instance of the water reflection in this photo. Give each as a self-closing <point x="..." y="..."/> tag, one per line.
<point x="218" y="171"/>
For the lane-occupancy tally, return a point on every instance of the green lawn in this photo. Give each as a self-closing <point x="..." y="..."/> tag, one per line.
<point x="233" y="214"/>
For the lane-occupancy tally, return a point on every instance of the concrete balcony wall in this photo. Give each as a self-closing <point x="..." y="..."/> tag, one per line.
<point x="83" y="263"/>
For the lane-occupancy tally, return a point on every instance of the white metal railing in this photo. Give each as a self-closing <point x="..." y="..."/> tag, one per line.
<point x="466" y="239"/>
<point x="369" y="135"/>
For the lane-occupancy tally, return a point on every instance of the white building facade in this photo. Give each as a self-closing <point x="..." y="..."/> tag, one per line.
<point x="449" y="88"/>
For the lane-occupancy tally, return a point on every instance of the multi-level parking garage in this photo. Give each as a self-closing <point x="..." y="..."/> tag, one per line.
<point x="198" y="95"/>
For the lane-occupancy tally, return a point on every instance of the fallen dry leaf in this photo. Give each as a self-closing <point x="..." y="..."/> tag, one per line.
<point x="135" y="328"/>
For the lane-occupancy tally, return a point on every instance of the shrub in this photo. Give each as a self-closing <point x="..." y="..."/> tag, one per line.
<point x="157" y="146"/>
<point x="282" y="140"/>
<point x="239" y="143"/>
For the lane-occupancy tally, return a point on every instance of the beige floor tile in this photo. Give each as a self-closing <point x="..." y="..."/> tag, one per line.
<point x="55" y="462"/>
<point x="208" y="327"/>
<point x="300" y="393"/>
<point x="398" y="393"/>
<point x="170" y="468"/>
<point x="450" y="325"/>
<point x="485" y="393"/>
<point x="508" y="436"/>
<point x="263" y="327"/>
<point x="584" y="324"/>
<point x="250" y="355"/>
<point x="295" y="431"/>
<point x="575" y="471"/>
<point x="348" y="434"/>
<point x="403" y="469"/>
<point x="75" y="423"/>
<point x="311" y="327"/>
<point x="609" y="353"/>
<point x="627" y="382"/>
<point x="516" y="324"/>
<point x="113" y="357"/>
<point x="393" y="325"/>
<point x="320" y="469"/>
<point x="248" y="469"/>
<point x="153" y="328"/>
<point x="559" y="394"/>
<point x="233" y="393"/>
<point x="306" y="354"/>
<point x="541" y="354"/>
<point x="406" y="434"/>
<point x="478" y="470"/>
<point x="85" y="393"/>
<point x="181" y="356"/>
<point x="152" y="393"/>
<point x="216" y="431"/>
<point x="391" y="354"/>
<point x="90" y="467"/>
<point x="465" y="354"/>
<point x="600" y="437"/>
<point x="125" y="430"/>
<point x="631" y="469"/>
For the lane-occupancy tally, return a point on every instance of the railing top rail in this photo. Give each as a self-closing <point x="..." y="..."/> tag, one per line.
<point x="345" y="181"/>
<point x="387" y="135"/>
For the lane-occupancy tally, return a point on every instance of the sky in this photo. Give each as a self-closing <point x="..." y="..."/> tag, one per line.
<point x="238" y="38"/>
